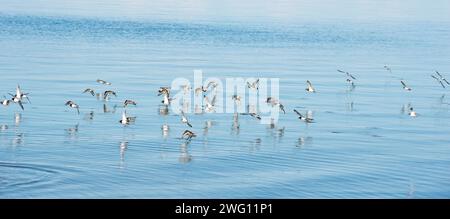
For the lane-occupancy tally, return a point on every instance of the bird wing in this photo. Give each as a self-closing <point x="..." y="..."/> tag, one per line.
<point x="298" y="113"/>
<point x="21" y="105"/>
<point x="18" y="92"/>
<point x="309" y="83"/>
<point x="282" y="108"/>
<point x="446" y="81"/>
<point x="435" y="77"/>
<point x="403" y="83"/>
<point x="124" y="116"/>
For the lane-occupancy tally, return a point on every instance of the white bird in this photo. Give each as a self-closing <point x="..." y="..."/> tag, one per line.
<point x="18" y="97"/>
<point x="126" y="120"/>
<point x="73" y="105"/>
<point x="440" y="79"/>
<point x="310" y="88"/>
<point x="405" y="87"/>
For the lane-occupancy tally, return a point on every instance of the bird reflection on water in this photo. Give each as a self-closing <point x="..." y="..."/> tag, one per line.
<point x="184" y="157"/>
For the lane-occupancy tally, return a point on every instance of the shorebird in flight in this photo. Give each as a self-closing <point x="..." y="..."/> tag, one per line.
<point x="440" y="79"/>
<point x="126" y="120"/>
<point x="185" y="120"/>
<point x="274" y="102"/>
<point x="18" y="97"/>
<point x="347" y="73"/>
<point x="405" y="87"/>
<point x="303" y="118"/>
<point x="254" y="85"/>
<point x="188" y="134"/>
<point x="163" y="90"/>
<point x="91" y="91"/>
<point x="108" y="93"/>
<point x="129" y="102"/>
<point x="72" y="104"/>
<point x="103" y="82"/>
<point x="310" y="88"/>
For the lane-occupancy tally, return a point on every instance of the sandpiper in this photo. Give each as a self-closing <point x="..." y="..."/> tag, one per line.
<point x="254" y="115"/>
<point x="347" y="73"/>
<point x="103" y="82"/>
<point x="91" y="91"/>
<point x="310" y="88"/>
<point x="188" y="134"/>
<point x="18" y="97"/>
<point x="440" y="79"/>
<point x="301" y="117"/>
<point x="73" y="105"/>
<point x="254" y="85"/>
<point x="405" y="87"/>
<point x="107" y="93"/>
<point x="274" y="102"/>
<point x="163" y="90"/>
<point x="126" y="120"/>
<point x="128" y="102"/>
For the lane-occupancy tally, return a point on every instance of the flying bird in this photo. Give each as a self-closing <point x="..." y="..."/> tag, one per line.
<point x="310" y="88"/>
<point x="91" y="91"/>
<point x="303" y="118"/>
<point x="107" y="93"/>
<point x="103" y="82"/>
<point x="128" y="102"/>
<point x="73" y="105"/>
<point x="347" y="73"/>
<point x="274" y="102"/>
<point x="405" y="87"/>
<point x="254" y="85"/>
<point x="184" y="119"/>
<point x="188" y="134"/>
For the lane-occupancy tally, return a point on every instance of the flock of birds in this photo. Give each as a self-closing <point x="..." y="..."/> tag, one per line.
<point x="20" y="97"/>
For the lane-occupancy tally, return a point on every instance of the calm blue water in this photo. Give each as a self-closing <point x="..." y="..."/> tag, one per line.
<point x="361" y="146"/>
